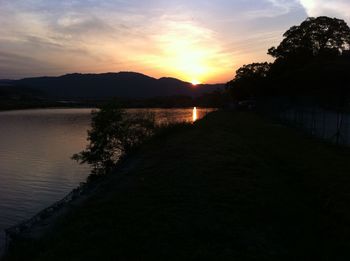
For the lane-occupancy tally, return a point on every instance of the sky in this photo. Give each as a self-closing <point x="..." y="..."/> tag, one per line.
<point x="193" y="40"/>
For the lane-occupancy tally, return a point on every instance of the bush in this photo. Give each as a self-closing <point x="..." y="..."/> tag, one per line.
<point x="113" y="134"/>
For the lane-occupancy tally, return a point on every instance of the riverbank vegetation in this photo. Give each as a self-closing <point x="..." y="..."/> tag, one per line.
<point x="113" y="135"/>
<point x="231" y="186"/>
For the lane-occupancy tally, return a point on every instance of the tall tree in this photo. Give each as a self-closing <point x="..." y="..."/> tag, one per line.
<point x="312" y="37"/>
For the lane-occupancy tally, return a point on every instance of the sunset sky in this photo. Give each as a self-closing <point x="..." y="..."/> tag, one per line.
<point x="193" y="40"/>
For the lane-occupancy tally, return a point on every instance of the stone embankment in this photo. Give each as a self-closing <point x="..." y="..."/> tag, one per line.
<point x="41" y="222"/>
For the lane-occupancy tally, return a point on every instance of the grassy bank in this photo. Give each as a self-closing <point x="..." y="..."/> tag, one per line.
<point x="233" y="186"/>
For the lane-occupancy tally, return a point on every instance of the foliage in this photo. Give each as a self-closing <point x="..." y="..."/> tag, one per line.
<point x="253" y="71"/>
<point x="312" y="60"/>
<point x="249" y="80"/>
<point x="113" y="134"/>
<point x="315" y="36"/>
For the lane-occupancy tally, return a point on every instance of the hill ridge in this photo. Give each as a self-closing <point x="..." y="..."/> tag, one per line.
<point x="124" y="84"/>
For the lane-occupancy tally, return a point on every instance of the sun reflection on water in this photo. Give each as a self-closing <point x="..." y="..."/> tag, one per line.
<point x="194" y="114"/>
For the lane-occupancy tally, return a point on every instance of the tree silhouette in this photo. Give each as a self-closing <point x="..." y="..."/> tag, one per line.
<point x="113" y="134"/>
<point x="315" y="36"/>
<point x="312" y="60"/>
<point x="249" y="80"/>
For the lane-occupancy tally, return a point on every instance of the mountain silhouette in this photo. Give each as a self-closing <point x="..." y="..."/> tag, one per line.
<point x="107" y="85"/>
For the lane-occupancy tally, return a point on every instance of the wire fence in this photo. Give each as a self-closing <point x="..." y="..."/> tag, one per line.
<point x="326" y="121"/>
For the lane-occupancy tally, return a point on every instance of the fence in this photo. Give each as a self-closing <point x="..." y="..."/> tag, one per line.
<point x="323" y="120"/>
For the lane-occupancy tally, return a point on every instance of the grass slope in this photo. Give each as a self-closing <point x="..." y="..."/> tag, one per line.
<point x="231" y="187"/>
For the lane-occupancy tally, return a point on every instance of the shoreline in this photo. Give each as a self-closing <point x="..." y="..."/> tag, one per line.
<point x="41" y="223"/>
<point x="87" y="107"/>
<point x="231" y="186"/>
<point x="41" y="220"/>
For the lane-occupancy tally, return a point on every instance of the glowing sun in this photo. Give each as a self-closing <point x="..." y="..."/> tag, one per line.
<point x="195" y="82"/>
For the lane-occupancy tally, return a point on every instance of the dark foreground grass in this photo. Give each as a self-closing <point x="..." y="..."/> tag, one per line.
<point x="231" y="187"/>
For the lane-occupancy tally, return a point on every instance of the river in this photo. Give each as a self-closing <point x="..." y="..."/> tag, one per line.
<point x="35" y="150"/>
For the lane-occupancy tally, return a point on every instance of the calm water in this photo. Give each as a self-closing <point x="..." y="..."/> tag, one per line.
<point x="35" y="149"/>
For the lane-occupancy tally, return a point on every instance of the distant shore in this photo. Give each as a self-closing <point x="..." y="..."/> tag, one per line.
<point x="18" y="108"/>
